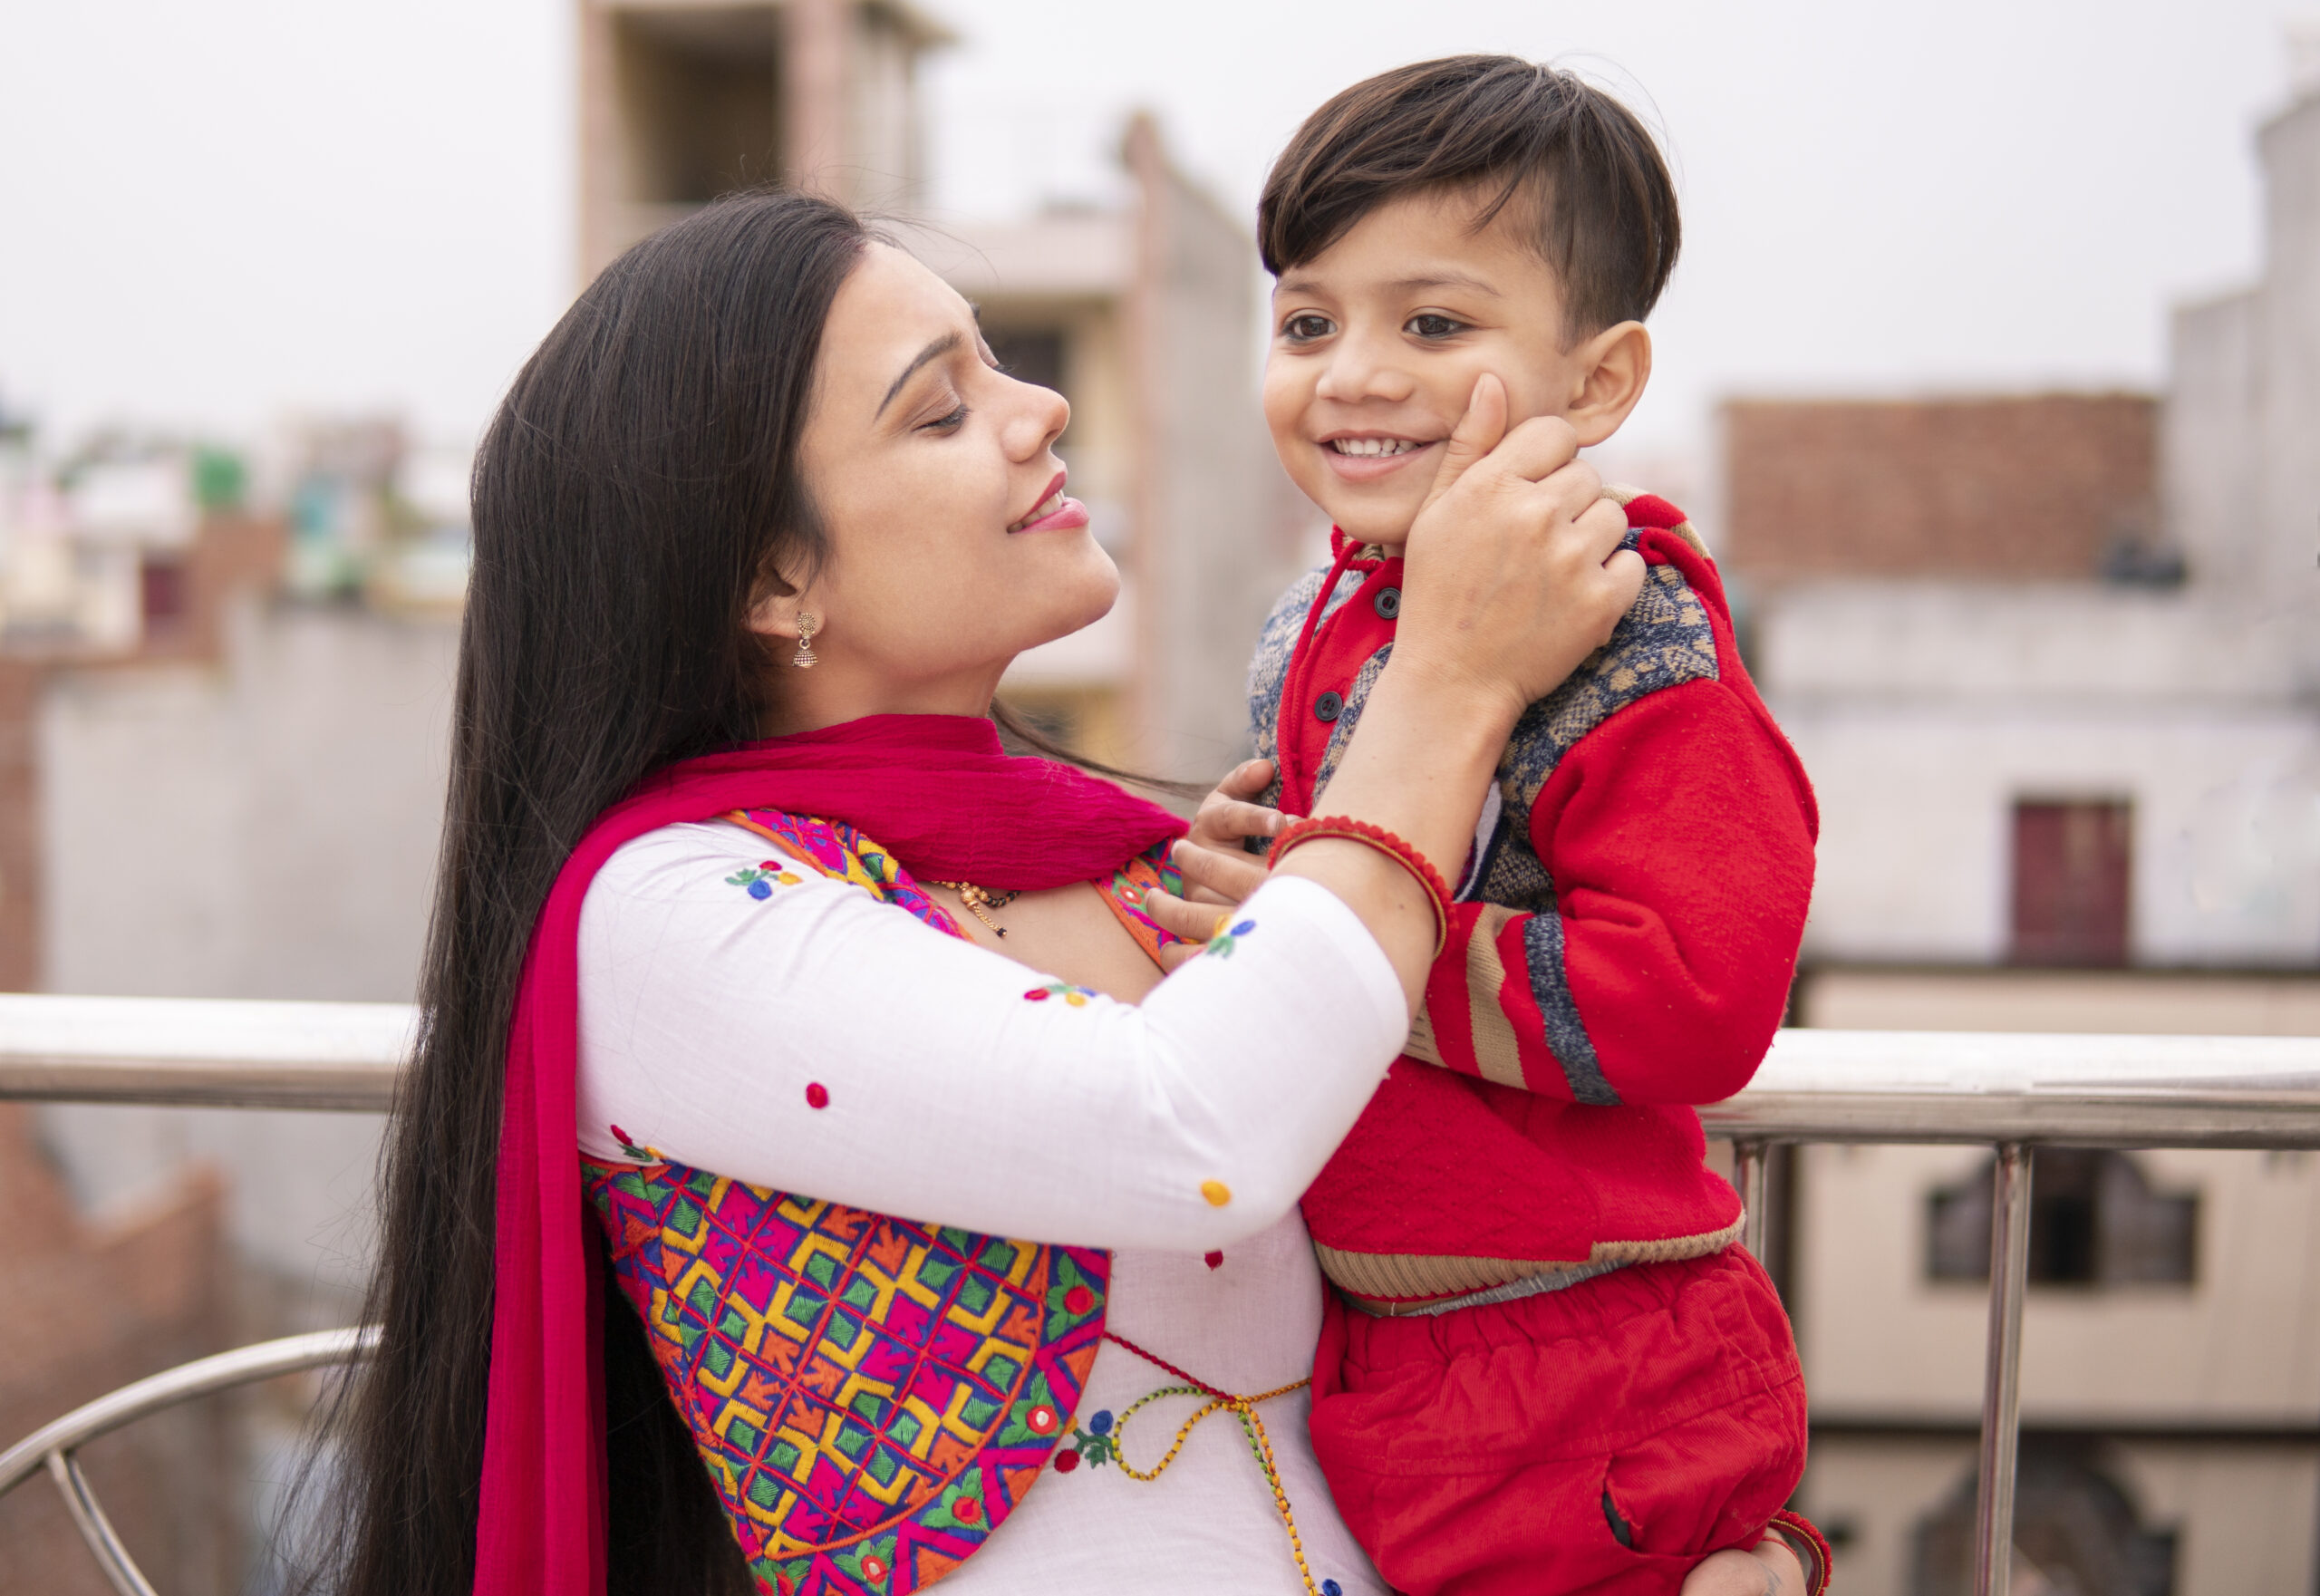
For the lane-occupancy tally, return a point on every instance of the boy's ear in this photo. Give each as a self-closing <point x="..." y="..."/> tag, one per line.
<point x="1613" y="367"/>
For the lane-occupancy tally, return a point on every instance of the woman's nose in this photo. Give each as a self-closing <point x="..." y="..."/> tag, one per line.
<point x="1039" y="420"/>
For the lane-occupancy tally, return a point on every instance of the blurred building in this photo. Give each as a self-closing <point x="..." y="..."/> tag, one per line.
<point x="1142" y="312"/>
<point x="2054" y="664"/>
<point x="222" y="733"/>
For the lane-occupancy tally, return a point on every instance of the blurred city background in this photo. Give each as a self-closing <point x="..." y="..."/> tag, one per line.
<point x="1991" y="373"/>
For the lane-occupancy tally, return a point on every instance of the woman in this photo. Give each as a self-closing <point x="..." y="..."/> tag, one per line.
<point x="757" y="531"/>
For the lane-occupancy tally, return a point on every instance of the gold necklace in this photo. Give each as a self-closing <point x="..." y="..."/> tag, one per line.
<point x="979" y="901"/>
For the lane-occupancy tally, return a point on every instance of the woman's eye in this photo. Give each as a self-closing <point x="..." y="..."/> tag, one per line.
<point x="1431" y="325"/>
<point x="948" y="423"/>
<point x="1302" y="329"/>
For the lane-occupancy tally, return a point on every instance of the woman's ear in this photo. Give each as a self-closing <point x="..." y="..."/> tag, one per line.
<point x="1614" y="365"/>
<point x="775" y="612"/>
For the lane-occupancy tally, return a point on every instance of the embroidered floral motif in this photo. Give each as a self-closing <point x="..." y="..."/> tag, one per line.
<point x="835" y="850"/>
<point x="1093" y="1445"/>
<point x="1223" y="943"/>
<point x="759" y="881"/>
<point x="1077" y="996"/>
<point x="641" y="1153"/>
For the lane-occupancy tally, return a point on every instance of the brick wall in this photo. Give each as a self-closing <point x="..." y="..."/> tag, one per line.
<point x="2039" y="487"/>
<point x="91" y="1307"/>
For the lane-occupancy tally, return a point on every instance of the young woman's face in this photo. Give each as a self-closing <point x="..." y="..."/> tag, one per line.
<point x="952" y="545"/>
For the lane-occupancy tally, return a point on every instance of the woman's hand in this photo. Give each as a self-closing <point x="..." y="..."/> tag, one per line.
<point x="1514" y="572"/>
<point x="1512" y="575"/>
<point x="1218" y="871"/>
<point x="1773" y="1569"/>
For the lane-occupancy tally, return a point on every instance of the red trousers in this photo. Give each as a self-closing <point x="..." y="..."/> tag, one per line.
<point x="1602" y="1439"/>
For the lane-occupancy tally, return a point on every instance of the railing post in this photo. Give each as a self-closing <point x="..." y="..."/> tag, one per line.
<point x="2002" y="1379"/>
<point x="1748" y="1175"/>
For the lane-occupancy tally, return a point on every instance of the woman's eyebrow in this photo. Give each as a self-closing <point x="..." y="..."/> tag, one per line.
<point x="934" y="350"/>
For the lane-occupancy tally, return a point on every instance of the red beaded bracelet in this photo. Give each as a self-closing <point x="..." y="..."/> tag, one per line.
<point x="1437" y="891"/>
<point x="1811" y="1546"/>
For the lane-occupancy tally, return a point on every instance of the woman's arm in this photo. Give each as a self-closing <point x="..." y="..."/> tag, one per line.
<point x="955" y="1085"/>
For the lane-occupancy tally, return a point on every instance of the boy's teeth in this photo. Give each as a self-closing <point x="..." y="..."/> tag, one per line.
<point x="1373" y="446"/>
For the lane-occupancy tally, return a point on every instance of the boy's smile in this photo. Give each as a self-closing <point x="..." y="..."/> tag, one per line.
<point x="1378" y="342"/>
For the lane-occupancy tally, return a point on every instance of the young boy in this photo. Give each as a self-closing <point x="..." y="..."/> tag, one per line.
<point x="1549" y="1367"/>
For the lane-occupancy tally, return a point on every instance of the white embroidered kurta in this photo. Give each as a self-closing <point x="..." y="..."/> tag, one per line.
<point x="818" y="1041"/>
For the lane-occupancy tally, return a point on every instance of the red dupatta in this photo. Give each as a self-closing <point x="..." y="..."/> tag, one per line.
<point x="937" y="791"/>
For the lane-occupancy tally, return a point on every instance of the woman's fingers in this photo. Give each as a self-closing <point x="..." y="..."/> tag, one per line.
<point x="1477" y="433"/>
<point x="1540" y="448"/>
<point x="1626" y="572"/>
<point x="1223" y="822"/>
<point x="1178" y="953"/>
<point x="1232" y="876"/>
<point x="1196" y="923"/>
<point x="1227" y="814"/>
<point x="1246" y="780"/>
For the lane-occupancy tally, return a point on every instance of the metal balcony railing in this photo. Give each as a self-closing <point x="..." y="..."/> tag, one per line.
<point x="2006" y="1091"/>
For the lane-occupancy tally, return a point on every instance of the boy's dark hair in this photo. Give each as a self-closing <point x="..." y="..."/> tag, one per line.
<point x="1595" y="194"/>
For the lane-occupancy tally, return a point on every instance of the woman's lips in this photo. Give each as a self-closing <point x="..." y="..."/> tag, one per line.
<point x="1373" y="467"/>
<point x="1069" y="513"/>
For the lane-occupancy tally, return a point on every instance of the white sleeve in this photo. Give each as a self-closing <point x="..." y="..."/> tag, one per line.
<point x="816" y="1041"/>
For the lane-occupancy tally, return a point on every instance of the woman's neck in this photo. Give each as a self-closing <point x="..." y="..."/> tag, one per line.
<point x="837" y="690"/>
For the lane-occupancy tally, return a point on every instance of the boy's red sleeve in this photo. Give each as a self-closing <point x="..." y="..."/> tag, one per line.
<point x="1680" y="848"/>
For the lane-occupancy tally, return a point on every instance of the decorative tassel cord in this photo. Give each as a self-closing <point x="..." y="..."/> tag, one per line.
<point x="1243" y="1408"/>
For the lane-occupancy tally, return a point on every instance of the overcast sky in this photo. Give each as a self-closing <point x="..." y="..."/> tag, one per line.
<point x="213" y="213"/>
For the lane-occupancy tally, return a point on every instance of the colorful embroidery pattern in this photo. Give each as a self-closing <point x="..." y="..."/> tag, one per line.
<point x="1077" y="996"/>
<point x="1223" y="943"/>
<point x="871" y="1396"/>
<point x="1130" y="884"/>
<point x="843" y="853"/>
<point x="759" y="881"/>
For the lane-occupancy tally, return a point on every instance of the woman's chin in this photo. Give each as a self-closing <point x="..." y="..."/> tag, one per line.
<point x="1087" y="594"/>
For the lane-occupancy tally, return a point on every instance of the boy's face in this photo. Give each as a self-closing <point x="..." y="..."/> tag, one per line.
<point x="1377" y="344"/>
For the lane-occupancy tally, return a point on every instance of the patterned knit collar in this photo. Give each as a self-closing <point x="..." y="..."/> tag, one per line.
<point x="1368" y="556"/>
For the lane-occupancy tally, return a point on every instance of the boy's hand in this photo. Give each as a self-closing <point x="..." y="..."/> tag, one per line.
<point x="1218" y="871"/>
<point x="1516" y="541"/>
<point x="1770" y="1570"/>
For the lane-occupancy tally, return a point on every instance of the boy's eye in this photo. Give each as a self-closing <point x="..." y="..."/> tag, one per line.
<point x="1432" y="324"/>
<point x="1304" y="328"/>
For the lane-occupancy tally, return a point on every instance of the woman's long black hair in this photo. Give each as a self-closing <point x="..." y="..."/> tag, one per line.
<point x="636" y="490"/>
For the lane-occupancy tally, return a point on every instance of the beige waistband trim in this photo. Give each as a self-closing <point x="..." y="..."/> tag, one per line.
<point x="1398" y="1282"/>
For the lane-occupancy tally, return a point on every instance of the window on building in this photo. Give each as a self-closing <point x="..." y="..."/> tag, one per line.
<point x="696" y="99"/>
<point x="2071" y="871"/>
<point x="162" y="598"/>
<point x="2094" y="1221"/>
<point x="2074" y="1530"/>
